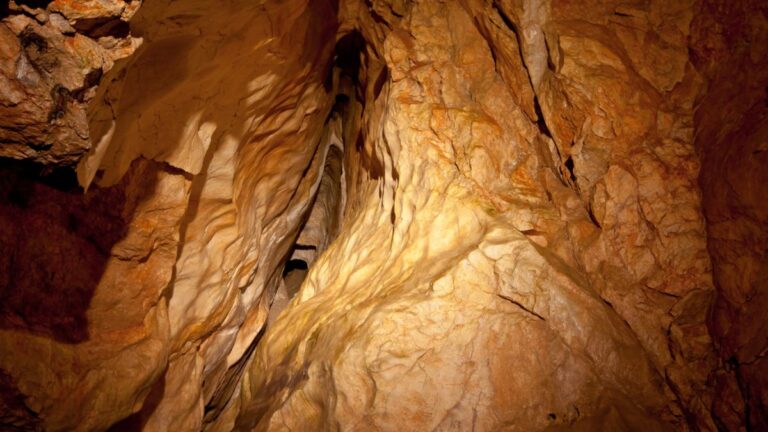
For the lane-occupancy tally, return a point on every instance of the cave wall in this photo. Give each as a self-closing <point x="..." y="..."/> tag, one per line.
<point x="209" y="136"/>
<point x="529" y="214"/>
<point x="538" y="209"/>
<point x="54" y="54"/>
<point x="730" y="51"/>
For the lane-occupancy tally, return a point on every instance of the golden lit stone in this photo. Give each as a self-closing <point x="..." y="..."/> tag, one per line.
<point x="383" y="215"/>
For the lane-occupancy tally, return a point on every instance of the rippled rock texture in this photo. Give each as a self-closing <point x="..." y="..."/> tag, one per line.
<point x="383" y="215"/>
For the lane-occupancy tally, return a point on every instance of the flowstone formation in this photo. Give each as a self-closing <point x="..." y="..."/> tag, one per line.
<point x="383" y="215"/>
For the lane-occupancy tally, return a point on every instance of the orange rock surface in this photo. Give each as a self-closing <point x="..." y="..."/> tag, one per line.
<point x="383" y="215"/>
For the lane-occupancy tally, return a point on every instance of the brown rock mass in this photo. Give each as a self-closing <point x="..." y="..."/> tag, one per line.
<point x="387" y="215"/>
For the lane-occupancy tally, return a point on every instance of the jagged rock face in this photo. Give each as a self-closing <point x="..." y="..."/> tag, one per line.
<point x="541" y="257"/>
<point x="209" y="139"/>
<point x="52" y="56"/>
<point x="390" y="215"/>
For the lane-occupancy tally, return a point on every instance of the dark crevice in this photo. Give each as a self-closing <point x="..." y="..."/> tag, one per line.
<point x="592" y="217"/>
<point x="294" y="273"/>
<point x="63" y="179"/>
<point x="92" y="79"/>
<point x="348" y="50"/>
<point x="507" y="21"/>
<point x="540" y="123"/>
<point x="350" y="53"/>
<point x="550" y="64"/>
<point x="40" y="146"/>
<point x="340" y="106"/>
<point x="380" y="81"/>
<point x="226" y="388"/>
<point x="495" y="59"/>
<point x="375" y="15"/>
<point x="305" y="249"/>
<point x="341" y="100"/>
<point x="521" y="306"/>
<point x="34" y="4"/>
<point x="569" y="166"/>
<point x="101" y="27"/>
<point x="328" y="74"/>
<point x="294" y="265"/>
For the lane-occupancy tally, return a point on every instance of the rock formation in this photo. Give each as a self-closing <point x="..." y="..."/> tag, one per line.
<point x="383" y="215"/>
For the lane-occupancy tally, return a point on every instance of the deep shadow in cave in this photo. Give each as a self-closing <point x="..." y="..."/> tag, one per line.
<point x="294" y="273"/>
<point x="56" y="241"/>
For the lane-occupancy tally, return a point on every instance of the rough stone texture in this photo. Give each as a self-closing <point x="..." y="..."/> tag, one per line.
<point x="79" y="342"/>
<point x="552" y="229"/>
<point x="49" y="71"/>
<point x="160" y="311"/>
<point x="516" y="214"/>
<point x="732" y="53"/>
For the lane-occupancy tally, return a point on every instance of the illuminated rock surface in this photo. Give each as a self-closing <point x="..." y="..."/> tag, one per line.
<point x="383" y="215"/>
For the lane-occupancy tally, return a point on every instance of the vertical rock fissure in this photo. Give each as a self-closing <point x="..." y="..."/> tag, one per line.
<point x="317" y="230"/>
<point x="561" y="156"/>
<point x="323" y="219"/>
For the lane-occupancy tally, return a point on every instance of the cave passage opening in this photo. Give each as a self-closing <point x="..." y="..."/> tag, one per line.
<point x="294" y="273"/>
<point x="322" y="221"/>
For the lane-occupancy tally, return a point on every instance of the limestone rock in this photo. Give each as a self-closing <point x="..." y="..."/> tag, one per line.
<point x="383" y="215"/>
<point x="48" y="76"/>
<point x="732" y="141"/>
<point x="463" y="148"/>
